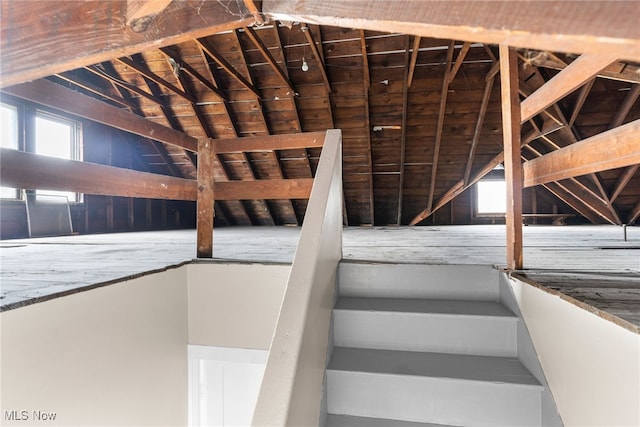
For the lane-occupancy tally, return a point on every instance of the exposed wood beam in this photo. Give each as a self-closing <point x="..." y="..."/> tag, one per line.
<point x="635" y="213"/>
<point x="59" y="97"/>
<point x="172" y="55"/>
<point x="620" y="71"/>
<point x="459" y="60"/>
<point x="367" y="121"/>
<point x="612" y="149"/>
<point x="486" y="96"/>
<point x="253" y="8"/>
<point x="403" y="137"/>
<point x="144" y="70"/>
<point x="571" y="200"/>
<point x="31" y="171"/>
<point x="270" y="143"/>
<point x="582" y="97"/>
<point x="140" y="12"/>
<point x="599" y="27"/>
<point x="440" y="124"/>
<point x="213" y="54"/>
<point x="317" y="55"/>
<point x="626" y="106"/>
<point x="566" y="81"/>
<point x="365" y="59"/>
<point x="414" y="57"/>
<point x="41" y="38"/>
<point x="622" y="181"/>
<point x="510" y="96"/>
<point x="95" y="90"/>
<point x="121" y="83"/>
<point x="264" y="50"/>
<point x="206" y="197"/>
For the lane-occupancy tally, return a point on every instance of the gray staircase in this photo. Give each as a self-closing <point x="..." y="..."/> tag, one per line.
<point x="420" y="345"/>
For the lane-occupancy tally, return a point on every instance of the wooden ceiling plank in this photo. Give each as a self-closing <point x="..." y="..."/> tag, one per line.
<point x="144" y="70"/>
<point x="582" y="97"/>
<point x="213" y="54"/>
<point x="441" y="113"/>
<point x="414" y="57"/>
<point x="486" y="96"/>
<point x="267" y="55"/>
<point x="566" y="81"/>
<point x="317" y="55"/>
<point x="95" y="90"/>
<point x="128" y="86"/>
<point x="559" y="29"/>
<point x="612" y="149"/>
<point x="403" y="137"/>
<point x="459" y="60"/>
<point x="510" y="96"/>
<point x="37" y="42"/>
<point x="55" y="96"/>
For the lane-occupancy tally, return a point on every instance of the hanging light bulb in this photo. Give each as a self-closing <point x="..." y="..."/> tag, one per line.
<point x="305" y="66"/>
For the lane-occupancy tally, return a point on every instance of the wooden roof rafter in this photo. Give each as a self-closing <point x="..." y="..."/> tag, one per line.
<point x="104" y="93"/>
<point x="366" y="76"/>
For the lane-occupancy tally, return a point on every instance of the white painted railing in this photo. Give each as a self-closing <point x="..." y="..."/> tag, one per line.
<point x="291" y="389"/>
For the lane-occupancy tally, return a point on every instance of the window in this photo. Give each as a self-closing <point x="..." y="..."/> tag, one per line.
<point x="492" y="197"/>
<point x="57" y="137"/>
<point x="9" y="135"/>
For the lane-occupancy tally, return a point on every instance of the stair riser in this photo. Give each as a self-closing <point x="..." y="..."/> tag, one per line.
<point x="479" y="335"/>
<point x="418" y="281"/>
<point x="432" y="400"/>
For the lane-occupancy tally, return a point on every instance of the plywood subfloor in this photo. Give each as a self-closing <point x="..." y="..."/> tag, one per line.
<point x="593" y="264"/>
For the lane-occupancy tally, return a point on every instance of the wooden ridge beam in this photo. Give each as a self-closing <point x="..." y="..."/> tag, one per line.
<point x="599" y="27"/>
<point x="566" y="81"/>
<point x="52" y="95"/>
<point x="269" y="143"/>
<point x="612" y="149"/>
<point x="41" y="38"/>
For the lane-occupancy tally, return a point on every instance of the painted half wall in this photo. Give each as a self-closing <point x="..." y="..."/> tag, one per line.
<point x="591" y="364"/>
<point x="114" y="355"/>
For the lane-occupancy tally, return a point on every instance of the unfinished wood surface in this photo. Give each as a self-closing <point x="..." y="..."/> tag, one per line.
<point x="512" y="165"/>
<point x="52" y="95"/>
<point x="590" y="263"/>
<point x="269" y="143"/>
<point x="140" y="9"/>
<point x="572" y="77"/>
<point x="49" y="37"/>
<point x="615" y="148"/>
<point x="600" y="27"/>
<point x="205" y="199"/>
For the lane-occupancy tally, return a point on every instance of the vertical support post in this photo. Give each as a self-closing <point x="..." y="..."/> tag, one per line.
<point x="512" y="163"/>
<point x="205" y="198"/>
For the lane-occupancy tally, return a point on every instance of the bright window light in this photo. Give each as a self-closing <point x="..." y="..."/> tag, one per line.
<point x="492" y="197"/>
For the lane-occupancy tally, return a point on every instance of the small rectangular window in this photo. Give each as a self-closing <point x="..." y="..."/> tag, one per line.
<point x="57" y="137"/>
<point x="492" y="197"/>
<point x="9" y="135"/>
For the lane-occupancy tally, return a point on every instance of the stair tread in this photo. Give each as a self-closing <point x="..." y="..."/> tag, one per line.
<point x="352" y="421"/>
<point x="425" y="306"/>
<point x="439" y="365"/>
